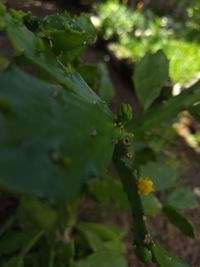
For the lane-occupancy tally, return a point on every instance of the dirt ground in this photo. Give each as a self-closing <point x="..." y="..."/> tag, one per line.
<point x="162" y="230"/>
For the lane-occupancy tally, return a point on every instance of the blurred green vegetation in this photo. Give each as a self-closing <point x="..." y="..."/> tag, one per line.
<point x="134" y="32"/>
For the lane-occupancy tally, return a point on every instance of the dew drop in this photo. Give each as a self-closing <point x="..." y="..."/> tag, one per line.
<point x="94" y="102"/>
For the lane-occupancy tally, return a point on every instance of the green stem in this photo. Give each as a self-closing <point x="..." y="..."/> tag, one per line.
<point x="129" y="181"/>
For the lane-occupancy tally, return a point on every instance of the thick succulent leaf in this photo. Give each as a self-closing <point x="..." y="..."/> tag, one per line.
<point x="51" y="140"/>
<point x="161" y="174"/>
<point x="180" y="221"/>
<point x="182" y="198"/>
<point x="150" y="75"/>
<point x="104" y="258"/>
<point x="164" y="259"/>
<point x="26" y="43"/>
<point x="151" y="205"/>
<point x="67" y="34"/>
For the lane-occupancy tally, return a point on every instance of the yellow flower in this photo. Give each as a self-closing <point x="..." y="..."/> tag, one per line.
<point x="145" y="185"/>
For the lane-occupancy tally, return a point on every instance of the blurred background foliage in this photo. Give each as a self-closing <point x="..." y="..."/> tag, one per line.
<point x="135" y="27"/>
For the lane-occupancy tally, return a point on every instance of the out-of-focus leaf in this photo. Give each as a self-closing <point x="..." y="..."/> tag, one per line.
<point x="108" y="190"/>
<point x="90" y="74"/>
<point x="161" y="174"/>
<point x="164" y="259"/>
<point x="180" y="221"/>
<point x="11" y="241"/>
<point x="150" y="75"/>
<point x="105" y="258"/>
<point x="39" y="214"/>
<point x="101" y="237"/>
<point x="106" y="89"/>
<point x="181" y="198"/>
<point x="151" y="205"/>
<point x="14" y="262"/>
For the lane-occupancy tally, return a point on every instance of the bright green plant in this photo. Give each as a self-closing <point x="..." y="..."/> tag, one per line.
<point x="57" y="134"/>
<point x="146" y="32"/>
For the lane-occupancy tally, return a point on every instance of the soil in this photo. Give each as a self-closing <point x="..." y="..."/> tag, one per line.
<point x="162" y="230"/>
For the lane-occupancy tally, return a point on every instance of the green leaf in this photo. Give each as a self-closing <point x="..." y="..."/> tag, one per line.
<point x="105" y="258"/>
<point x="180" y="221"/>
<point x="106" y="89"/>
<point x="181" y="198"/>
<point x="167" y="111"/>
<point x="4" y="63"/>
<point x="54" y="132"/>
<point x="164" y="259"/>
<point x="109" y="191"/>
<point x="89" y="72"/>
<point x="151" y="205"/>
<point x="150" y="75"/>
<point x="67" y="34"/>
<point x="11" y="241"/>
<point x="26" y="43"/>
<point x="39" y="214"/>
<point x="161" y="174"/>
<point x="99" y="236"/>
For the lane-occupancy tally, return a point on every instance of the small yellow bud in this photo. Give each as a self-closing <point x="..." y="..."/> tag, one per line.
<point x="145" y="185"/>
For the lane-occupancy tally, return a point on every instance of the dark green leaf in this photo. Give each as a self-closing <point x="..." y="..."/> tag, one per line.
<point x="151" y="205"/>
<point x="150" y="75"/>
<point x="164" y="259"/>
<point x="105" y="258"/>
<point x="39" y="214"/>
<point x="108" y="190"/>
<point x="106" y="89"/>
<point x="99" y="236"/>
<point x="11" y="241"/>
<point x="182" y="198"/>
<point x="54" y="132"/>
<point x="161" y="174"/>
<point x="180" y="221"/>
<point x="90" y="74"/>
